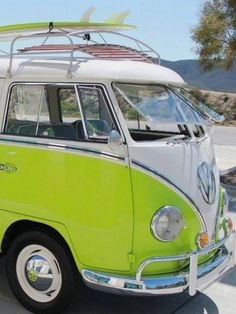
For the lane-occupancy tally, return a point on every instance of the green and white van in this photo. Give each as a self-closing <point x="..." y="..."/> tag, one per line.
<point x="107" y="174"/>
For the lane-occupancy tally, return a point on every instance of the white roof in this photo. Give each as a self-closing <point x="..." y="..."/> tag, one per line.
<point x="92" y="70"/>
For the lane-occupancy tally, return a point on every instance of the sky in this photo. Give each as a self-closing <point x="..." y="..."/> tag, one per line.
<point x="164" y="25"/>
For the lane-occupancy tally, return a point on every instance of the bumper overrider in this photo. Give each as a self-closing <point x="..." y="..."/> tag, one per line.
<point x="195" y="277"/>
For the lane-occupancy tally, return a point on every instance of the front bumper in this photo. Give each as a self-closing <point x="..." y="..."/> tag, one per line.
<point x="197" y="276"/>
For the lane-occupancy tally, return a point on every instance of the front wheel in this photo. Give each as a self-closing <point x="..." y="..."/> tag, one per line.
<point x="41" y="273"/>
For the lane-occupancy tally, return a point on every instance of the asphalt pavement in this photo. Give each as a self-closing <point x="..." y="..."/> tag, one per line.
<point x="224" y="141"/>
<point x="219" y="298"/>
<point x="224" y="135"/>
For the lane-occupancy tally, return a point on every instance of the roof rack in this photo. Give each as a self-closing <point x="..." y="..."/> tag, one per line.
<point x="91" y="48"/>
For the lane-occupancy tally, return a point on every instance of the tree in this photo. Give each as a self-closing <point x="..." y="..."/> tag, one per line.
<point x="215" y="34"/>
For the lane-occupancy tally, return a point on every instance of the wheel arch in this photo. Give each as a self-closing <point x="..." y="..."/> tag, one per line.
<point x="24" y="225"/>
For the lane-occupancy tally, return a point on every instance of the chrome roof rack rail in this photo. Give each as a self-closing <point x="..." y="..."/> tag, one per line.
<point x="38" y="35"/>
<point x="139" y="43"/>
<point x="142" y="52"/>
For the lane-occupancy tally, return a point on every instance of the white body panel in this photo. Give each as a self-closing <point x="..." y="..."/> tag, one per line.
<point x="1" y="85"/>
<point x="178" y="163"/>
<point x="89" y="70"/>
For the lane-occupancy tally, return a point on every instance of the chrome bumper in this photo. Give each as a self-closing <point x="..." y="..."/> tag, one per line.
<point x="197" y="276"/>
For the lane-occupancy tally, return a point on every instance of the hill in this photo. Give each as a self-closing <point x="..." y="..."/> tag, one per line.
<point x="223" y="103"/>
<point x="191" y="71"/>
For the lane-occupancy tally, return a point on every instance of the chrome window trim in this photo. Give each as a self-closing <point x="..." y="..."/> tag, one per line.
<point x="84" y="119"/>
<point x="57" y="146"/>
<point x="81" y="112"/>
<point x="39" y="111"/>
<point x="110" y="105"/>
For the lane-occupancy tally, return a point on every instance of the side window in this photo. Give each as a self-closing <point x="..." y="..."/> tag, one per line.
<point x="69" y="105"/>
<point x="37" y="111"/>
<point x="54" y="111"/>
<point x="28" y="108"/>
<point x="132" y="117"/>
<point x="98" y="119"/>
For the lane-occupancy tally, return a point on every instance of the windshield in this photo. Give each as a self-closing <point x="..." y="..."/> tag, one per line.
<point x="199" y="105"/>
<point x="154" y="112"/>
<point x="160" y="104"/>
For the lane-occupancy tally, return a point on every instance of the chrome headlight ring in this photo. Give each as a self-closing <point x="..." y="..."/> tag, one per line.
<point x="167" y="223"/>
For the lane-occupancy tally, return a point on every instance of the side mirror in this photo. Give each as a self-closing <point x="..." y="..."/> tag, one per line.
<point x="114" y="140"/>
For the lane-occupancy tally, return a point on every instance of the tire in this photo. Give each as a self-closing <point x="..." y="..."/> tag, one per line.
<point x="41" y="274"/>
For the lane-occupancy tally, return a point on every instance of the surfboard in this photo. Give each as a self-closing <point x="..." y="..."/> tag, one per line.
<point x="114" y="23"/>
<point x="9" y="32"/>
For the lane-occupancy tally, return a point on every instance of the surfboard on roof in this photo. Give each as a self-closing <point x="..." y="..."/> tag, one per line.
<point x="113" y="23"/>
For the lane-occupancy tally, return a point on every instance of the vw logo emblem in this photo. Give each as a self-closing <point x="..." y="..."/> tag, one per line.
<point x="207" y="184"/>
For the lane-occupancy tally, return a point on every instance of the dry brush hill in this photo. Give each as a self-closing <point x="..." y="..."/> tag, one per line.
<point x="223" y="103"/>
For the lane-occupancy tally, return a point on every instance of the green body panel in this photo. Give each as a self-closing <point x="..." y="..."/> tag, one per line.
<point x="90" y="196"/>
<point x="104" y="208"/>
<point x="149" y="196"/>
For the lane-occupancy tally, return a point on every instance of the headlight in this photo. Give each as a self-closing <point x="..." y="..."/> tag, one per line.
<point x="225" y="201"/>
<point x="167" y="223"/>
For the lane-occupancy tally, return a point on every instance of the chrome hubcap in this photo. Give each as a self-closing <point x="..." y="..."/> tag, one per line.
<point x="38" y="273"/>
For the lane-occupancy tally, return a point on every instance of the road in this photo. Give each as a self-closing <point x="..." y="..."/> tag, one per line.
<point x="224" y="140"/>
<point x="224" y="135"/>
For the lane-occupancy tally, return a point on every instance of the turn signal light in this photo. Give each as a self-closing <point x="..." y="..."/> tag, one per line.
<point x="230" y="224"/>
<point x="202" y="239"/>
<point x="227" y="224"/>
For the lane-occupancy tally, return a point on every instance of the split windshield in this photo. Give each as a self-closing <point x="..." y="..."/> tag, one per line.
<point x="199" y="105"/>
<point x="153" y="112"/>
